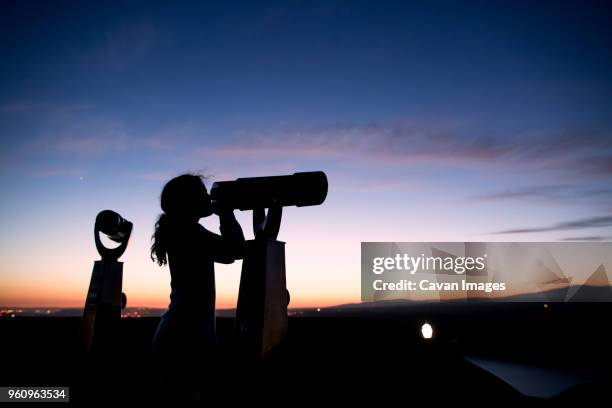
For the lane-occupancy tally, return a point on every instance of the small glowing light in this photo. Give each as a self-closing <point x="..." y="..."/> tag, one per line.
<point x="318" y="309"/>
<point x="426" y="331"/>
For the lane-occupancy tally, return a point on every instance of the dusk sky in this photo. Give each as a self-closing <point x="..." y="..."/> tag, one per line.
<point x="451" y="121"/>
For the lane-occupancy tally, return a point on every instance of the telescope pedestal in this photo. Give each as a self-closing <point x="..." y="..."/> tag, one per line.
<point x="261" y="314"/>
<point x="102" y="314"/>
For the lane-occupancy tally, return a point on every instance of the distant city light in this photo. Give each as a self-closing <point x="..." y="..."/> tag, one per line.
<point x="318" y="309"/>
<point x="426" y="331"/>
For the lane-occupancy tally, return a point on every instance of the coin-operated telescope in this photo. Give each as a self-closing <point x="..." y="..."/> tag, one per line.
<point x="105" y="300"/>
<point x="261" y="313"/>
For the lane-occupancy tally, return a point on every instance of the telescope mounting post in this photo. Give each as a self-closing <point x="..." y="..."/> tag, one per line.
<point x="261" y="314"/>
<point x="266" y="226"/>
<point x="105" y="300"/>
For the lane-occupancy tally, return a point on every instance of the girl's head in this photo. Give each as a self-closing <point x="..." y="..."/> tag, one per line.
<point x="183" y="198"/>
<point x="186" y="196"/>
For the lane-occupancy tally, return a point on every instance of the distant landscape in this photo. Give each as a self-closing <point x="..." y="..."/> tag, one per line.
<point x="580" y="294"/>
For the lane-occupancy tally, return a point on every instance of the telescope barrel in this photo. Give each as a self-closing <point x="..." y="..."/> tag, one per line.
<point x="299" y="189"/>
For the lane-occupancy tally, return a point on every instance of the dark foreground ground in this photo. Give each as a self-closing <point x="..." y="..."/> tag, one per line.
<point x="346" y="356"/>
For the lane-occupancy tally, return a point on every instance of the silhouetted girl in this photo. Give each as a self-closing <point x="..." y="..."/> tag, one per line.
<point x="186" y="334"/>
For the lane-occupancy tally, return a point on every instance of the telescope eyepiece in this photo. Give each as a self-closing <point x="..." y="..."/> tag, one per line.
<point x="113" y="225"/>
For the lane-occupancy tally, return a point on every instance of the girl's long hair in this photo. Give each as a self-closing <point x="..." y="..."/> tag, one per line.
<point x="179" y="197"/>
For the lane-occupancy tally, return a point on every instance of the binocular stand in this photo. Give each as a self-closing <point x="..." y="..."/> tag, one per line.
<point x="261" y="313"/>
<point x="105" y="300"/>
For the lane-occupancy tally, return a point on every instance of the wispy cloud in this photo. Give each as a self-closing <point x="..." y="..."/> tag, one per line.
<point x="598" y="165"/>
<point x="587" y="238"/>
<point x="91" y="135"/>
<point x="578" y="158"/>
<point x="54" y="172"/>
<point x="560" y="193"/>
<point x="563" y="151"/>
<point x="171" y="138"/>
<point x="541" y="191"/>
<point x="593" y="222"/>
